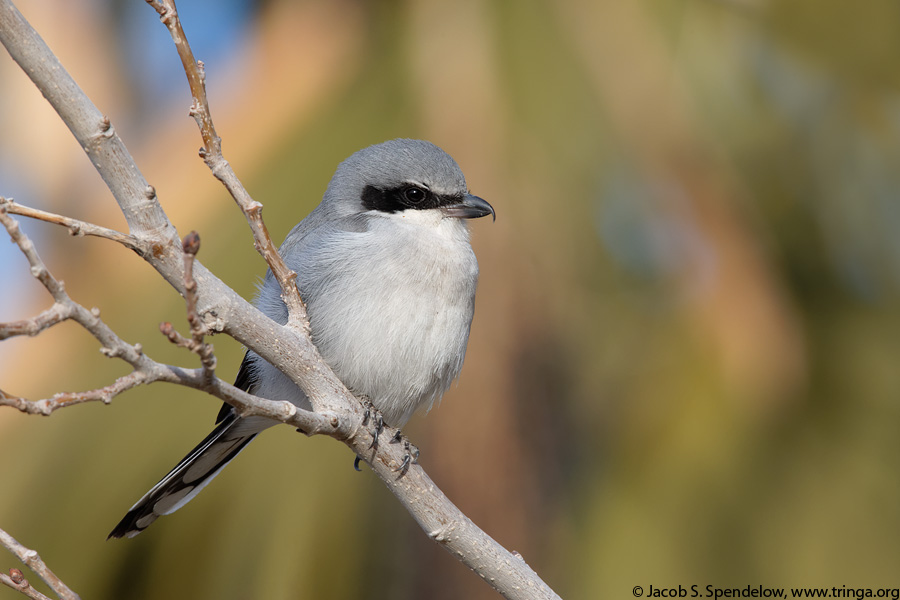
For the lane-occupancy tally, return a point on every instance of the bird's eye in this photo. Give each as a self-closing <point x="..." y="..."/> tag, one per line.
<point x="414" y="195"/>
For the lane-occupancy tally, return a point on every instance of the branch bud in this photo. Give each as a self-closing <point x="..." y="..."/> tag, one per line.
<point x="191" y="243"/>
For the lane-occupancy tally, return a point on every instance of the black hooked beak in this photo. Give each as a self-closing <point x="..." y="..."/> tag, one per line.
<point x="470" y="207"/>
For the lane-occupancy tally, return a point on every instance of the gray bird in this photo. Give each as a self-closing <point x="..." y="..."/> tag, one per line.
<point x="388" y="275"/>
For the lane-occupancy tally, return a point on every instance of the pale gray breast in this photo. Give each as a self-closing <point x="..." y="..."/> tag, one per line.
<point x="390" y="309"/>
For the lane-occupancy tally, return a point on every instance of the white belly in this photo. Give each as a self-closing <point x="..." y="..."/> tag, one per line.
<point x="393" y="320"/>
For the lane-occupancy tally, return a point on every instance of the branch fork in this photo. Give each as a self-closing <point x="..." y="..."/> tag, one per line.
<point x="16" y="580"/>
<point x="211" y="152"/>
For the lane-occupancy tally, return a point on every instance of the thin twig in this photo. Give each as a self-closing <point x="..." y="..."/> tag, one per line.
<point x="38" y="269"/>
<point x="63" y="399"/>
<point x="310" y="423"/>
<point x="221" y="169"/>
<point x="196" y="344"/>
<point x="16" y="580"/>
<point x="34" y="562"/>
<point x="173" y="336"/>
<point x="75" y="227"/>
<point x="191" y="245"/>
<point x="113" y="346"/>
<point x="145" y="370"/>
<point x="52" y="316"/>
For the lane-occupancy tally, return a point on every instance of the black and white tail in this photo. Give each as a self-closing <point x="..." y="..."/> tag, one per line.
<point x="198" y="468"/>
<point x="187" y="479"/>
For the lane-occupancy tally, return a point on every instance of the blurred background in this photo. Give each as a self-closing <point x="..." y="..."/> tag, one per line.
<point x="680" y="370"/>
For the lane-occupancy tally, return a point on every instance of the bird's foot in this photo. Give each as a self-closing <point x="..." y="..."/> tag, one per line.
<point x="410" y="458"/>
<point x="371" y="413"/>
<point x="369" y="409"/>
<point x="376" y="431"/>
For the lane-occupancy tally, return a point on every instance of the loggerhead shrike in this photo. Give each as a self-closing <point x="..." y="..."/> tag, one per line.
<point x="388" y="275"/>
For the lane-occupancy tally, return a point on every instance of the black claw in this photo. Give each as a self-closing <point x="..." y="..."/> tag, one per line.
<point x="356" y="464"/>
<point x="410" y="449"/>
<point x="379" y="427"/>
<point x="397" y="437"/>
<point x="410" y="458"/>
<point x="404" y="466"/>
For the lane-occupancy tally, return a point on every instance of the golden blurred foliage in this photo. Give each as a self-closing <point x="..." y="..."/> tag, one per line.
<point x="682" y="365"/>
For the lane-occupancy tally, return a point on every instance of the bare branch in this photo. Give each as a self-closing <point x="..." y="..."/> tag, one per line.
<point x="38" y="269"/>
<point x="16" y="580"/>
<point x="61" y="400"/>
<point x="191" y="245"/>
<point x="113" y="346"/>
<point x="75" y="227"/>
<point x="52" y="316"/>
<point x="221" y="169"/>
<point x="34" y="562"/>
<point x="145" y="370"/>
<point x="310" y="423"/>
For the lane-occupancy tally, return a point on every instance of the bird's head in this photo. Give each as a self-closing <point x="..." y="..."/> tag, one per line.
<point x="403" y="175"/>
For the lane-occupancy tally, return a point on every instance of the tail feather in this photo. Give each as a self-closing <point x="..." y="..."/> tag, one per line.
<point x="190" y="476"/>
